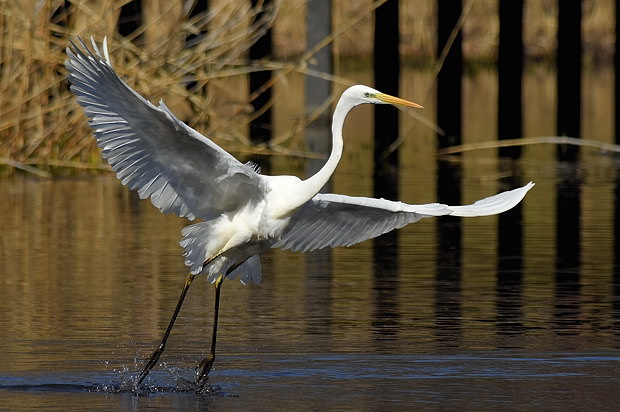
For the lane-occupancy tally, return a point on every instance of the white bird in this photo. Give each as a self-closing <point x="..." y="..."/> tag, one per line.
<point x="243" y="212"/>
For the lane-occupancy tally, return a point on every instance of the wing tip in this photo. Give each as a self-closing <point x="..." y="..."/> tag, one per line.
<point x="493" y="205"/>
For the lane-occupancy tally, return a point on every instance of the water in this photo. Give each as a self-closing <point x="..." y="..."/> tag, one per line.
<point x="90" y="276"/>
<point x="511" y="313"/>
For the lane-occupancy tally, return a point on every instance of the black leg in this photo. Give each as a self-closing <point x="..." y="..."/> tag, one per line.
<point x="203" y="369"/>
<point x="160" y="349"/>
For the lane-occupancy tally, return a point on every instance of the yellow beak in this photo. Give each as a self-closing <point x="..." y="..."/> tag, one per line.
<point x="397" y="100"/>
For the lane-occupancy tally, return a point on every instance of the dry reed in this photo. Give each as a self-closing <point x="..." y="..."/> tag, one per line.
<point x="171" y="55"/>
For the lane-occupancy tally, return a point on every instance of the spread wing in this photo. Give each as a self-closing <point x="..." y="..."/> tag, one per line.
<point x="330" y="220"/>
<point x="151" y="150"/>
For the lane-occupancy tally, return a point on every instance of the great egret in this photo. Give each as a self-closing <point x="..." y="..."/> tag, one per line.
<point x="243" y="212"/>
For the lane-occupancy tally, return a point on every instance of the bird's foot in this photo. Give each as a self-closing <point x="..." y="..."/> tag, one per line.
<point x="202" y="373"/>
<point x="152" y="361"/>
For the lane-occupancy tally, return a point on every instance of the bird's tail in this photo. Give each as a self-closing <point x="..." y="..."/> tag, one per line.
<point x="199" y="249"/>
<point x="196" y="244"/>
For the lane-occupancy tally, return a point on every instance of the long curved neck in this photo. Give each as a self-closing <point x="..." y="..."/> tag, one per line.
<point x="316" y="182"/>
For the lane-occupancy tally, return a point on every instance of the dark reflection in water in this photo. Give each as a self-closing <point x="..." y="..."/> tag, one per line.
<point x="386" y="248"/>
<point x="615" y="289"/>
<point x="448" y="266"/>
<point x="386" y="314"/>
<point x="567" y="316"/>
<point x="509" y="285"/>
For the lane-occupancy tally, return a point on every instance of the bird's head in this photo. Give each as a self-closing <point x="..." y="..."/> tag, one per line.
<point x="360" y="94"/>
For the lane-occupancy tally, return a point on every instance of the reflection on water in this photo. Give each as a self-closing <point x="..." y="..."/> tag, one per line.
<point x="488" y="313"/>
<point x="90" y="275"/>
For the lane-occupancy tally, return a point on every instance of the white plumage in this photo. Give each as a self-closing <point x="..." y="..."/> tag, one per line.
<point x="244" y="212"/>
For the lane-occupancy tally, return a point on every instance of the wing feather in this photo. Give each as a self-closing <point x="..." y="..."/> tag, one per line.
<point x="492" y="205"/>
<point x="151" y="151"/>
<point x="330" y="220"/>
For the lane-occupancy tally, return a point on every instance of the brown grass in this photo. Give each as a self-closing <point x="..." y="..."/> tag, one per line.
<point x="40" y="123"/>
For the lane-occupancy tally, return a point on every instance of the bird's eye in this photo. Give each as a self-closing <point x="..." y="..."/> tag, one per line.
<point x="366" y="94"/>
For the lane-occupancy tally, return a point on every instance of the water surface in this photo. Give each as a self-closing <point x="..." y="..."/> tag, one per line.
<point x="90" y="276"/>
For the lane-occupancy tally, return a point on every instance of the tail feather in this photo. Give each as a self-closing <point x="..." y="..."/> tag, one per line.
<point x="198" y="250"/>
<point x="196" y="243"/>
